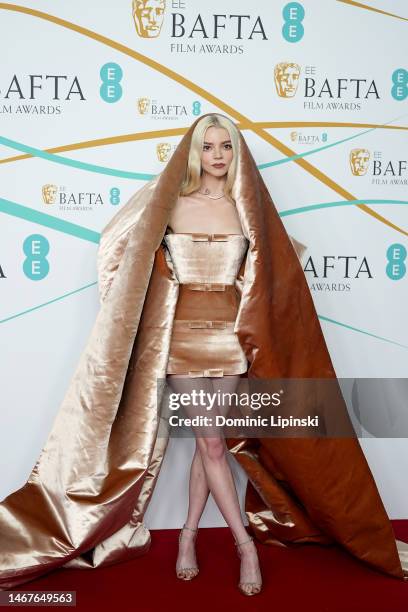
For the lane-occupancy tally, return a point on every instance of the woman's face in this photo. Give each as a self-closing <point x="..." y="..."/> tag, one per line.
<point x="217" y="154"/>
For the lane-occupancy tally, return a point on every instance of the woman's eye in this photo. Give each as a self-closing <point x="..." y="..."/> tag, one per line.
<point x="207" y="147"/>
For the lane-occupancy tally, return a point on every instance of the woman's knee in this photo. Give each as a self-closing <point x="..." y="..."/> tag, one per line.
<point x="212" y="448"/>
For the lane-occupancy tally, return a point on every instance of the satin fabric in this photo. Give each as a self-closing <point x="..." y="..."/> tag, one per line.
<point x="206" y="258"/>
<point x="203" y="341"/>
<point x="84" y="501"/>
<point x="218" y="301"/>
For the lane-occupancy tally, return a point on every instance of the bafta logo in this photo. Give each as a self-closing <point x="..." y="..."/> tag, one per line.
<point x="163" y="151"/>
<point x="49" y="193"/>
<point x="359" y="159"/>
<point x="148" y="17"/>
<point x="293" y="136"/>
<point x="286" y="76"/>
<point x="143" y="105"/>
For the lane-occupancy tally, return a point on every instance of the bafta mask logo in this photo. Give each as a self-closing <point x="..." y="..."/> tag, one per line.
<point x="148" y="17"/>
<point x="293" y="136"/>
<point x="359" y="159"/>
<point x="163" y="151"/>
<point x="143" y="105"/>
<point x="286" y="76"/>
<point x="49" y="193"/>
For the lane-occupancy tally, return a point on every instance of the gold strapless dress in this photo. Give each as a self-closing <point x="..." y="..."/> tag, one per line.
<point x="203" y="341"/>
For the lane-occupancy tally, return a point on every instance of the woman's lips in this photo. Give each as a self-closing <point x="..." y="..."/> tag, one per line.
<point x="218" y="165"/>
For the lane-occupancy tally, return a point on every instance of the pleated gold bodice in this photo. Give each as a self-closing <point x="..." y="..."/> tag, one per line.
<point x="203" y="340"/>
<point x="206" y="258"/>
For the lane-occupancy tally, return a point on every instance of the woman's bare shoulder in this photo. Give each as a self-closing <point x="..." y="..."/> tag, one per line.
<point x="181" y="207"/>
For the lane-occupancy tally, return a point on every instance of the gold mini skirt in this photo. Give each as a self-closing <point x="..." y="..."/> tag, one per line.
<point x="203" y="341"/>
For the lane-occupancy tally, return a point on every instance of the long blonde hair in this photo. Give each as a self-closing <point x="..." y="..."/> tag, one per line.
<point x="192" y="178"/>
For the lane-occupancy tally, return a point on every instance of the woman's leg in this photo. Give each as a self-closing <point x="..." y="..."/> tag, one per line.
<point x="222" y="486"/>
<point x="219" y="478"/>
<point x="198" y="487"/>
<point x="198" y="490"/>
<point x="211" y="444"/>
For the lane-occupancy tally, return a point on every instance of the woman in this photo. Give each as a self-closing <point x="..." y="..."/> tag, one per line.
<point x="85" y="499"/>
<point x="207" y="247"/>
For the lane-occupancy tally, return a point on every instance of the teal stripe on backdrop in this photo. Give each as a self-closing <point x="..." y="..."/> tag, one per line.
<point x="58" y="159"/>
<point x="40" y="218"/>
<point x="61" y="297"/>
<point x="310" y="207"/>
<point x="360" y="331"/>
<point x="66" y="161"/>
<point x="313" y="151"/>
<point x="19" y="146"/>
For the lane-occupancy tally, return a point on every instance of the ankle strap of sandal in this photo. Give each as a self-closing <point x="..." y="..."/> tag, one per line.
<point x="244" y="541"/>
<point x="190" y="528"/>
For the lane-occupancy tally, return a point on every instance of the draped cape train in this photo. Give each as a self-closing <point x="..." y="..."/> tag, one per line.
<point x="84" y="501"/>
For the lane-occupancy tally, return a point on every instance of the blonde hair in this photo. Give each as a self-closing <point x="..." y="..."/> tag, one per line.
<point x="192" y="178"/>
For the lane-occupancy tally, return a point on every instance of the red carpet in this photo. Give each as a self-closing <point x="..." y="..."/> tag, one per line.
<point x="308" y="577"/>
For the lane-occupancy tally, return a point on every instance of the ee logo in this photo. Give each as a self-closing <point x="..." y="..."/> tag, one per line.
<point x="196" y="107"/>
<point x="396" y="256"/>
<point x="399" y="90"/>
<point x="293" y="15"/>
<point x="114" y="196"/>
<point x="111" y="89"/>
<point x="36" y="249"/>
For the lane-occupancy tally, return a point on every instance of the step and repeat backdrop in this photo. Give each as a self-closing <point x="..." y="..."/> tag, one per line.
<point x="94" y="98"/>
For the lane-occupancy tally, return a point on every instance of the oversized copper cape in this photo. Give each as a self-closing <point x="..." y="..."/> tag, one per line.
<point x="84" y="501"/>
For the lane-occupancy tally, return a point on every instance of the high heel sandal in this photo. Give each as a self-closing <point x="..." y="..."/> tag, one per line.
<point x="255" y="586"/>
<point x="187" y="573"/>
